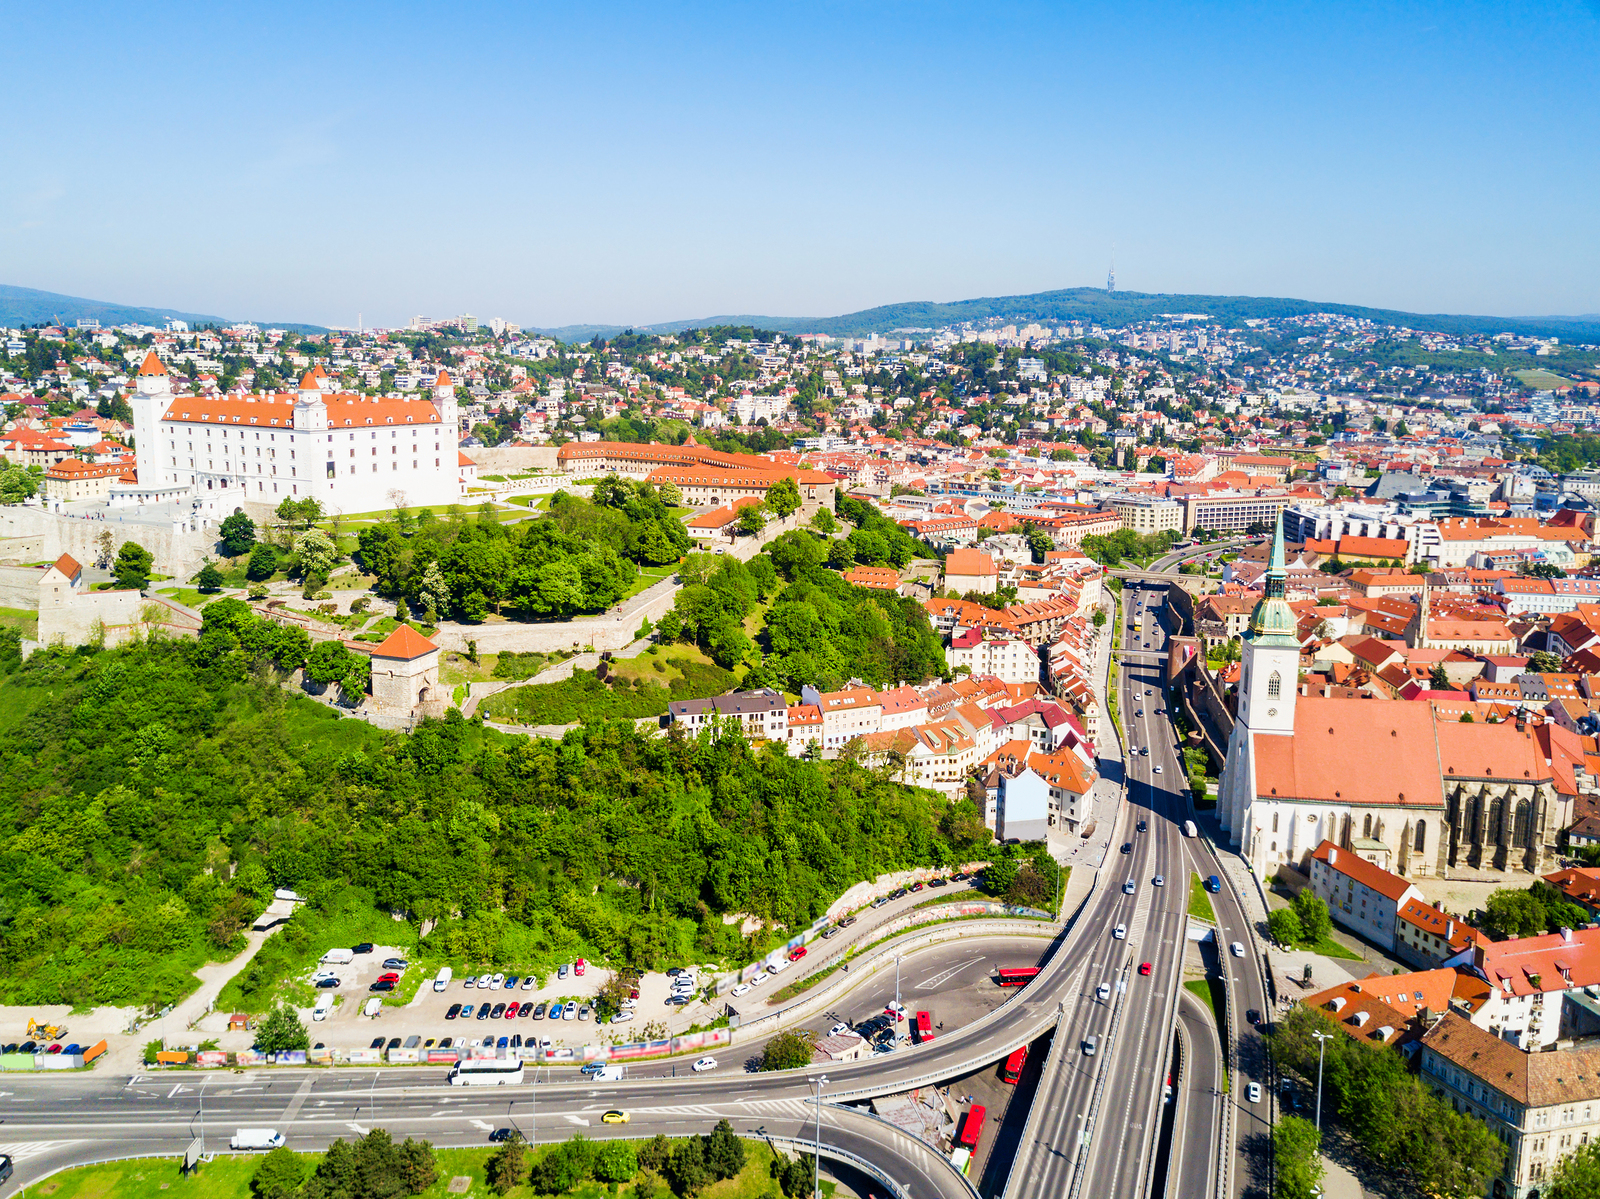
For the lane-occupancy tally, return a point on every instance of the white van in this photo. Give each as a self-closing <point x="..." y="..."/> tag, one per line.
<point x="374" y="1006"/>
<point x="256" y="1138"/>
<point x="778" y="967"/>
<point x="338" y="957"/>
<point x="324" y="1006"/>
<point x="443" y="981"/>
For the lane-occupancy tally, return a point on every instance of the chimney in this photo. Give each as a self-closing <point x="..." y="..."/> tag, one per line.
<point x="1566" y="936"/>
<point x="1449" y="929"/>
<point x="1333" y="855"/>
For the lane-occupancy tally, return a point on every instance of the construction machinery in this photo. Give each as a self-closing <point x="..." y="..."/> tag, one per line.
<point x="40" y="1031"/>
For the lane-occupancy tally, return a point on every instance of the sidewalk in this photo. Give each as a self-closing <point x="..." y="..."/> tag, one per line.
<point x="1087" y="856"/>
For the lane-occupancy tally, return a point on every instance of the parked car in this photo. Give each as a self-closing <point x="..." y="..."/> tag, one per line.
<point x="503" y="1043"/>
<point x="395" y="963"/>
<point x="364" y="947"/>
<point x="914" y="887"/>
<point x="583" y="1012"/>
<point x="571" y="1013"/>
<point x="555" y="1010"/>
<point x="453" y="1011"/>
<point x="833" y="930"/>
<point x="622" y="1017"/>
<point x="390" y="977"/>
<point x="511" y="982"/>
<point x="838" y="1029"/>
<point x="486" y="981"/>
<point x="483" y="1011"/>
<point x="798" y="952"/>
<point x="579" y="966"/>
<point x="899" y="893"/>
<point x="466" y="1011"/>
<point x="383" y="984"/>
<point x="511" y="1010"/>
<point x="740" y="989"/>
<point x="960" y="876"/>
<point x="497" y="980"/>
<point x="539" y="1011"/>
<point x="324" y="983"/>
<point x="497" y="1011"/>
<point x="879" y="902"/>
<point x="561" y="971"/>
<point x="468" y="983"/>
<point x="525" y="1010"/>
<point x="528" y="981"/>
<point x="377" y="1043"/>
<point x="938" y="882"/>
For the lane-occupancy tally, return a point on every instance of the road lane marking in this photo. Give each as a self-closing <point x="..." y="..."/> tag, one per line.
<point x="946" y="975"/>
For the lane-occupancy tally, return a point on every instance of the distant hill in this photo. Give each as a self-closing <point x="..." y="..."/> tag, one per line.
<point x="25" y="306"/>
<point x="1092" y="304"/>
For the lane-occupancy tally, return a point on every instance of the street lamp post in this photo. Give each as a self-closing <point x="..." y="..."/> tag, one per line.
<point x="1321" y="1038"/>
<point x="816" y="1160"/>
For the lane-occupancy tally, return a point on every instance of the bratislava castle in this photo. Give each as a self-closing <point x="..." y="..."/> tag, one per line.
<point x="350" y="452"/>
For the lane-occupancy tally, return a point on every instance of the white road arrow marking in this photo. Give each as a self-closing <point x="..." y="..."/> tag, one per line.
<point x="945" y="976"/>
<point x="482" y="1125"/>
<point x="578" y="1120"/>
<point x="355" y="1128"/>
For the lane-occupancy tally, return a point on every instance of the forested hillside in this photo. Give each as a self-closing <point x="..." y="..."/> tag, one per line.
<point x="152" y="796"/>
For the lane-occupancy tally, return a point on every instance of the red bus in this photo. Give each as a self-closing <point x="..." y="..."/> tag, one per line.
<point x="1016" y="976"/>
<point x="971" y="1128"/>
<point x="923" y="1028"/>
<point x="1012" y="1070"/>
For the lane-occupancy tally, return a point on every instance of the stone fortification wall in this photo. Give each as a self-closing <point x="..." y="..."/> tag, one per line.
<point x="178" y="554"/>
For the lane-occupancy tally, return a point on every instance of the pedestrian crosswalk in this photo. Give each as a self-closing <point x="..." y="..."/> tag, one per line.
<point x="31" y="1149"/>
<point x="771" y="1107"/>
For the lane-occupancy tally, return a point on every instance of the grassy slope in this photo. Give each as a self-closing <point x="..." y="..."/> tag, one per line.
<point x="229" y="1178"/>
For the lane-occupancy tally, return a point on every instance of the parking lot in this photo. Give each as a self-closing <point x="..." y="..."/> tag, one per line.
<point x="427" y="1015"/>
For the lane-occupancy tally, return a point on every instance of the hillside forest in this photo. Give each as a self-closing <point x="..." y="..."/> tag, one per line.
<point x="152" y="796"/>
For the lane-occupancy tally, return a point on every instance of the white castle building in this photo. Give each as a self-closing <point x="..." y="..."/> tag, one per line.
<point x="350" y="452"/>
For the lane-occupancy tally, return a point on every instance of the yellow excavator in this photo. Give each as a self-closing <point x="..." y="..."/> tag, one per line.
<point x="45" y="1032"/>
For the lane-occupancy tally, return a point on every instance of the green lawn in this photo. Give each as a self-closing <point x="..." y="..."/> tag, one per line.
<point x="191" y="596"/>
<point x="1543" y="380"/>
<point x="25" y="621"/>
<point x="1329" y="948"/>
<point x="228" y="1177"/>
<point x="1210" y="990"/>
<point x="649" y="576"/>
<point x="528" y="501"/>
<point x="1200" y="900"/>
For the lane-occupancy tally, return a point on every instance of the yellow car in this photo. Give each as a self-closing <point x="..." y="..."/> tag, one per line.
<point x="614" y="1118"/>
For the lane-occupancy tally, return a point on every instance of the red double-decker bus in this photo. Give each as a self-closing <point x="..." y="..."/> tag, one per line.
<point x="1016" y="976"/>
<point x="1012" y="1070"/>
<point x="972" y="1128"/>
<point x="924" y="1027"/>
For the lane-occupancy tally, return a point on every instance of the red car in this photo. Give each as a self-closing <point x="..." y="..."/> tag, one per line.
<point x="579" y="966"/>
<point x="391" y="977"/>
<point x="798" y="952"/>
<point x="1144" y="967"/>
<point x="511" y="1011"/>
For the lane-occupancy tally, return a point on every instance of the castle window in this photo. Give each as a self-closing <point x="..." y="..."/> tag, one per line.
<point x="1422" y="835"/>
<point x="1274" y="685"/>
<point x="1274" y="821"/>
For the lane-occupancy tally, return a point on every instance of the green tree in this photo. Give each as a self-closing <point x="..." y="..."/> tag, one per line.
<point x="687" y="1171"/>
<point x="263" y="563"/>
<point x="751" y="520"/>
<point x="209" y="578"/>
<point x="617" y="1161"/>
<point x="281" y="1031"/>
<point x="824" y="523"/>
<point x="418" y="1167"/>
<point x="1285" y="928"/>
<point x="1513" y="913"/>
<point x="1000" y="875"/>
<point x="1577" y="1175"/>
<point x="670" y="494"/>
<point x="786" y="1051"/>
<point x="783" y="497"/>
<point x="300" y="513"/>
<point x="1544" y="662"/>
<point x="1313" y="915"/>
<point x="279" y="1175"/>
<point x="1295" y="1145"/>
<point x="507" y="1166"/>
<point x="724" y="1151"/>
<point x="17" y="483"/>
<point x="238" y="534"/>
<point x="1439" y="679"/>
<point x="132" y="568"/>
<point x="318" y="555"/>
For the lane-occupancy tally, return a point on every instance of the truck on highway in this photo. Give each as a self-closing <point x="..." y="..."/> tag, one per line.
<point x="256" y="1138"/>
<point x="443" y="980"/>
<point x="1189" y="829"/>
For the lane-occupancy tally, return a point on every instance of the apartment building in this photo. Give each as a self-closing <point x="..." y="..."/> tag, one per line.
<point x="846" y="715"/>
<point x="1360" y="895"/>
<point x="763" y="713"/>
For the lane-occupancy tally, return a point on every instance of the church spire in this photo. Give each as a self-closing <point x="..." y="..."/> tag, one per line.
<point x="1272" y="616"/>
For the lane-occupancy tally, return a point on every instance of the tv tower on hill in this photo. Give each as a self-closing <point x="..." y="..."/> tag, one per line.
<point x="1111" y="275"/>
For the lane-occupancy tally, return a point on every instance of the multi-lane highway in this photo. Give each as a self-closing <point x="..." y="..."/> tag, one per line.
<point x="1093" y="1133"/>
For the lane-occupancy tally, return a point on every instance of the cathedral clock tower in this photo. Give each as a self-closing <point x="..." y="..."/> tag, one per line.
<point x="1268" y="685"/>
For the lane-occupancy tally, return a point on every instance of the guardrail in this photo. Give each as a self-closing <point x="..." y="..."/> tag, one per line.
<point x="895" y="1130"/>
<point x="838" y="1154"/>
<point x="1171" y="1022"/>
<point x="1047" y="1078"/>
<point x="1101" y="1072"/>
<point x="824" y="995"/>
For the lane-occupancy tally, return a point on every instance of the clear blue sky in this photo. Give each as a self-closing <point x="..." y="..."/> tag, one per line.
<point x="562" y="163"/>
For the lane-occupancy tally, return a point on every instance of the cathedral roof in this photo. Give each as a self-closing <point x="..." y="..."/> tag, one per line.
<point x="1356" y="751"/>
